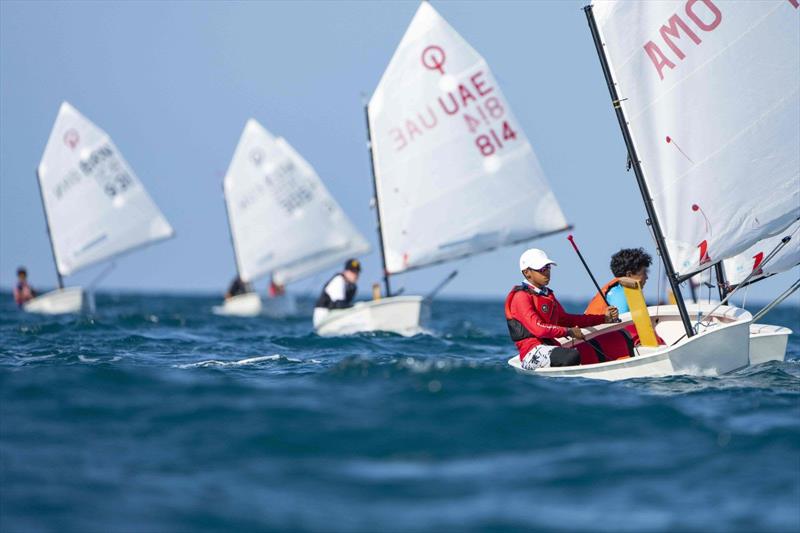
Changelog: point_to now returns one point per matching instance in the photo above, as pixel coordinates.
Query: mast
(230, 230)
(377, 203)
(652, 219)
(722, 282)
(49, 235)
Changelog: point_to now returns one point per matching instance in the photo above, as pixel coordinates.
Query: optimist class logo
(433, 58)
(71, 138)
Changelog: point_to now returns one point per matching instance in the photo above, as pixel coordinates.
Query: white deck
(244, 305)
(397, 314)
(57, 302)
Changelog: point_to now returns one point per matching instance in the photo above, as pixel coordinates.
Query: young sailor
(275, 289)
(535, 318)
(338, 292)
(236, 288)
(22, 291)
(630, 263)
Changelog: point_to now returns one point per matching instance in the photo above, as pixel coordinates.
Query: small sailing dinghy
(718, 347)
(706, 95)
(282, 220)
(95, 207)
(450, 162)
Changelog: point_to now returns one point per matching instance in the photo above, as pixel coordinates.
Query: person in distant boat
(237, 287)
(276, 289)
(339, 291)
(629, 263)
(536, 319)
(22, 291)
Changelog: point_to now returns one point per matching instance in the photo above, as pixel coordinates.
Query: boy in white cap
(535, 317)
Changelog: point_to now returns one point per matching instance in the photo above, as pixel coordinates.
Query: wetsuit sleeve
(616, 297)
(582, 321)
(522, 310)
(335, 289)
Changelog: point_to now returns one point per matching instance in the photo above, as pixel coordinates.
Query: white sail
(455, 173)
(739, 267)
(96, 206)
(283, 219)
(710, 91)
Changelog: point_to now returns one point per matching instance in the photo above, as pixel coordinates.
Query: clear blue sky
(174, 82)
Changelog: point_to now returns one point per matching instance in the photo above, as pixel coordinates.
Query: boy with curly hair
(628, 263)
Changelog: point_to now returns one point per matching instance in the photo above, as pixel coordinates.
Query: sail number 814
(488, 112)
(489, 143)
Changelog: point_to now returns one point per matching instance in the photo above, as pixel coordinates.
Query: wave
(241, 362)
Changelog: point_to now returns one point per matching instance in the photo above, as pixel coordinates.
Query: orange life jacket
(598, 306)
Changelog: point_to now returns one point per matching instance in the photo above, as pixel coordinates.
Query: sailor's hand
(612, 315)
(576, 333)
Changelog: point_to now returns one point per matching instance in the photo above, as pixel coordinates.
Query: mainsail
(739, 267)
(95, 205)
(455, 173)
(283, 220)
(710, 90)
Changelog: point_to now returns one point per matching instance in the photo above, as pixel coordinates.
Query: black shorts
(564, 357)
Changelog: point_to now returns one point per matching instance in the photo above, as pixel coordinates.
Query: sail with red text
(96, 206)
(711, 93)
(455, 174)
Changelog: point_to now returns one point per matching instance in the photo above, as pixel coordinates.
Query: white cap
(534, 258)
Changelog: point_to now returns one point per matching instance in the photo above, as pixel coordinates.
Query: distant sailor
(22, 291)
(339, 292)
(237, 287)
(535, 318)
(275, 289)
(629, 263)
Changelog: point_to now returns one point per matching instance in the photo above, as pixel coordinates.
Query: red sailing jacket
(535, 319)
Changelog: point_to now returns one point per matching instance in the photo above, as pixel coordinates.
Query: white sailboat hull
(719, 348)
(248, 304)
(768, 343)
(397, 314)
(57, 302)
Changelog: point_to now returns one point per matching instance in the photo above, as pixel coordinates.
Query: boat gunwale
(365, 305)
(740, 317)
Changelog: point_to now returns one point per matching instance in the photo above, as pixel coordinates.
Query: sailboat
(94, 205)
(282, 221)
(706, 96)
(449, 159)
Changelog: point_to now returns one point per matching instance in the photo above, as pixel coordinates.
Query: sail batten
(282, 218)
(96, 207)
(455, 174)
(711, 94)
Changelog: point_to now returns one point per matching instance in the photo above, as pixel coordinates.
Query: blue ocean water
(154, 415)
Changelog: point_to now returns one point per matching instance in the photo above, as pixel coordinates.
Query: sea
(154, 415)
